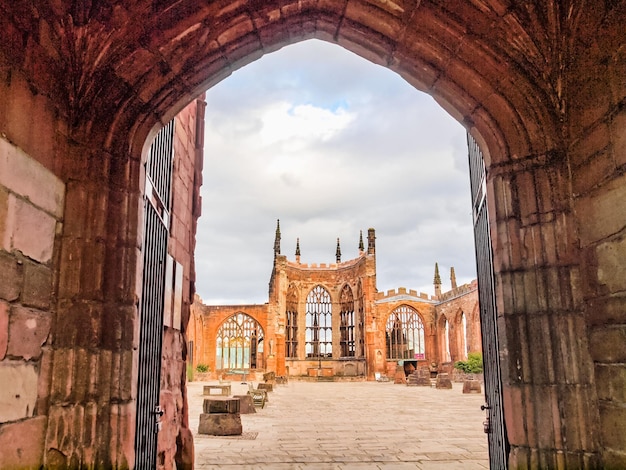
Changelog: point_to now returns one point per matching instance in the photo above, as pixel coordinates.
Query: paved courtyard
(349, 425)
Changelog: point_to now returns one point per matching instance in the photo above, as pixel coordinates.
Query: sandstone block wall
(31, 213)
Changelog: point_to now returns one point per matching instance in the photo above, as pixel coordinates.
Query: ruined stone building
(85, 236)
(330, 319)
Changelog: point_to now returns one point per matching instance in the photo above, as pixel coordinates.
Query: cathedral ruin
(330, 320)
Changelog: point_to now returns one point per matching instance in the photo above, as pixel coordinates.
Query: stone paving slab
(349, 425)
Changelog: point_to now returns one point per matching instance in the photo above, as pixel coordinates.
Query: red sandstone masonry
(550, 91)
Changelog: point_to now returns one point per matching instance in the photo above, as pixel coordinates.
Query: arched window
(346, 322)
(239, 343)
(405, 333)
(291, 331)
(319, 331)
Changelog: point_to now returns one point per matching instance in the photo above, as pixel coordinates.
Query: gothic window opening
(239, 343)
(346, 318)
(404, 334)
(291, 330)
(318, 332)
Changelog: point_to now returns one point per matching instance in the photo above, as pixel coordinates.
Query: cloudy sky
(330, 144)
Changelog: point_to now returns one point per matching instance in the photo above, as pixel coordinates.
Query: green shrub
(473, 365)
(202, 368)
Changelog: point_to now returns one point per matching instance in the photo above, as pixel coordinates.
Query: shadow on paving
(344, 425)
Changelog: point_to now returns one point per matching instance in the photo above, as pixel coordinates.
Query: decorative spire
(277, 239)
(437, 281)
(298, 250)
(437, 278)
(452, 278)
(361, 246)
(338, 252)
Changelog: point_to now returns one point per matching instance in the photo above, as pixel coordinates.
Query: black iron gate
(494, 422)
(156, 235)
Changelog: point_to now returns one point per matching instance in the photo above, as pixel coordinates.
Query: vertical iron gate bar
(156, 236)
(494, 424)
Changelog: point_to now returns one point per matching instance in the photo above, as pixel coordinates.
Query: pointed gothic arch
(239, 343)
(319, 330)
(404, 333)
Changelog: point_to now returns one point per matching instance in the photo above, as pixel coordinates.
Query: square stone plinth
(221, 405)
(220, 424)
(246, 404)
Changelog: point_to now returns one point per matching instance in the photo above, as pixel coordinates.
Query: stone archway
(539, 86)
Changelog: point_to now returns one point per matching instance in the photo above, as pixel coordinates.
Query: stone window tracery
(318, 332)
(346, 320)
(404, 333)
(239, 343)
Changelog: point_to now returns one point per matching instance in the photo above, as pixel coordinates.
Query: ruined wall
(462, 300)
(297, 280)
(387, 303)
(206, 321)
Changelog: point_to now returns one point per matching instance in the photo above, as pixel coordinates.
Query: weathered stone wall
(31, 213)
(206, 320)
(426, 311)
(460, 301)
(296, 280)
(597, 155)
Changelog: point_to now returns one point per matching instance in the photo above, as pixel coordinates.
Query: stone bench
(223, 389)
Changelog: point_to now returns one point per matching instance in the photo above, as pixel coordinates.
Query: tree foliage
(473, 365)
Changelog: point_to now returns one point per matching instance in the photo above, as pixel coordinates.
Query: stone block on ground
(246, 404)
(221, 405)
(417, 380)
(268, 387)
(220, 424)
(443, 381)
(471, 386)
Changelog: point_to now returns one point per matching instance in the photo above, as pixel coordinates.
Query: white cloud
(298, 126)
(331, 145)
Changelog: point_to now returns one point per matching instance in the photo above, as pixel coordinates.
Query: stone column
(95, 335)
(549, 394)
